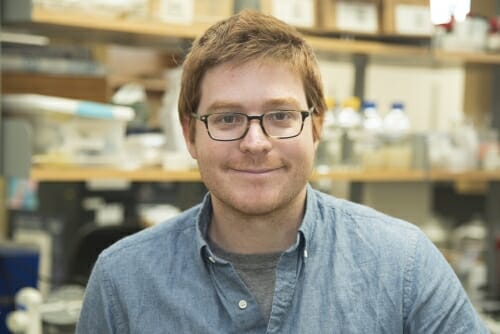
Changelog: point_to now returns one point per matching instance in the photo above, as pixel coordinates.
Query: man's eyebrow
(217, 105)
(281, 102)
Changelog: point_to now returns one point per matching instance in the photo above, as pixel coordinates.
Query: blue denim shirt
(351, 270)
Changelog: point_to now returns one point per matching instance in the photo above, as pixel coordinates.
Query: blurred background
(91, 148)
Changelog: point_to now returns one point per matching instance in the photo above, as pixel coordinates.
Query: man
(264, 252)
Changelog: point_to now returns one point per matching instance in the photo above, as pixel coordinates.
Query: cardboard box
(299, 13)
(198, 13)
(358, 16)
(407, 17)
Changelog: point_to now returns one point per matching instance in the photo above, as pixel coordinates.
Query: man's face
(257, 174)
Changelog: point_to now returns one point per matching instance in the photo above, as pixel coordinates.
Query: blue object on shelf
(18, 269)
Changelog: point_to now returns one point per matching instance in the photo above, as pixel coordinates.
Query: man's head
(250, 36)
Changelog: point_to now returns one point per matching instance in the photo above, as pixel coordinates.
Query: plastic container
(396, 122)
(67, 131)
(372, 121)
(349, 116)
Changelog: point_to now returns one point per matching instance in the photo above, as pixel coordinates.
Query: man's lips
(256, 171)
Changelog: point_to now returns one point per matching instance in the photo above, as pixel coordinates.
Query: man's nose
(255, 139)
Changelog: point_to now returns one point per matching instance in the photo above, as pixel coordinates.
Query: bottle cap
(369, 104)
(351, 102)
(330, 102)
(397, 105)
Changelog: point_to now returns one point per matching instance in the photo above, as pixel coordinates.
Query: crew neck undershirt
(257, 271)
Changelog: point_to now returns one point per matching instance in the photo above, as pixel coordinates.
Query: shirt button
(242, 304)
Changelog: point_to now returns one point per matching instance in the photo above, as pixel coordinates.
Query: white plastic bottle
(349, 116)
(396, 122)
(372, 121)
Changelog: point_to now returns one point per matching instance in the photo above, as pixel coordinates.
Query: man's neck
(246, 234)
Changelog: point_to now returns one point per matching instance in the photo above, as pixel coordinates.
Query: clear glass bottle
(328, 152)
(397, 143)
(369, 143)
(349, 121)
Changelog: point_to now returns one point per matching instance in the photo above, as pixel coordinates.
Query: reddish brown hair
(249, 36)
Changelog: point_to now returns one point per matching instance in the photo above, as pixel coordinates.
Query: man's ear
(319, 131)
(186, 131)
(316, 143)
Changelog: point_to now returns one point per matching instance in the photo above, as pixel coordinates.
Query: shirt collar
(202, 220)
(304, 236)
(309, 221)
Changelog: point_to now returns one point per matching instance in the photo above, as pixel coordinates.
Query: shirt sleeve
(99, 310)
(434, 299)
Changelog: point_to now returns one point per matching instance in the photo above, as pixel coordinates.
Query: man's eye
(226, 119)
(281, 115)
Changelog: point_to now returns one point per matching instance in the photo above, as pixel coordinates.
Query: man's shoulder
(367, 236)
(354, 210)
(351, 217)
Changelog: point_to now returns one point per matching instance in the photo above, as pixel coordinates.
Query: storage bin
(67, 131)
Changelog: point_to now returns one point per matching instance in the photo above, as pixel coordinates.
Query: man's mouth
(257, 171)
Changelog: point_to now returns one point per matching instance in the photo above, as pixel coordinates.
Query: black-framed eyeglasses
(279, 124)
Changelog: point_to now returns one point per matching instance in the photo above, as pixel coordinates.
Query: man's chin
(253, 203)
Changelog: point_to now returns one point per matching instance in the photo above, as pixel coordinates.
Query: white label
(177, 11)
(413, 20)
(298, 13)
(360, 17)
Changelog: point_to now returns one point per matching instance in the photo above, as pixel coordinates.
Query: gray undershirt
(257, 271)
